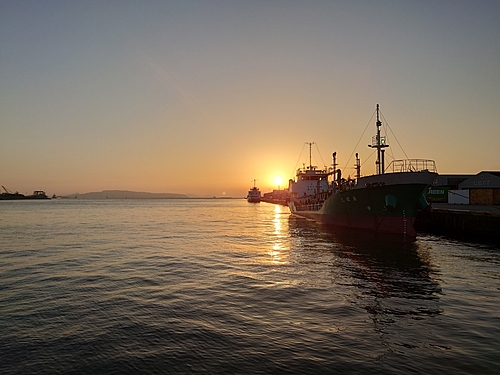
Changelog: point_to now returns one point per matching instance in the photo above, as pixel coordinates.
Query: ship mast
(310, 154)
(357, 166)
(334, 155)
(379, 143)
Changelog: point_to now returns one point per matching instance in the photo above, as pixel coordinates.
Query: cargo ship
(385, 202)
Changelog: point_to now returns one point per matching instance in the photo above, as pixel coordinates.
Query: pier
(277, 197)
(467, 219)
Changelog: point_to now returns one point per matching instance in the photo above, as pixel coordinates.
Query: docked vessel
(254, 194)
(386, 202)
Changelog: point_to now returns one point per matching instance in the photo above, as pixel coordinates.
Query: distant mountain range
(125, 194)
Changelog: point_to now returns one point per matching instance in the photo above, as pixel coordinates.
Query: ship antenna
(379, 143)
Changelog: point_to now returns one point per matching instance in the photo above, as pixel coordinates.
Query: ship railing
(412, 165)
(309, 207)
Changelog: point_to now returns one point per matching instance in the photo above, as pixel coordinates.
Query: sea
(223, 286)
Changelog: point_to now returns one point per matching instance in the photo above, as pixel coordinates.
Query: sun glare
(278, 180)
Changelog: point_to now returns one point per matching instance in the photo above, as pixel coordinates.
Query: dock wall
(460, 221)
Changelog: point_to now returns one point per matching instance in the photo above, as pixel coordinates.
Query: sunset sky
(202, 97)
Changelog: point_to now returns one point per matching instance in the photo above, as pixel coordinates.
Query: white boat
(254, 194)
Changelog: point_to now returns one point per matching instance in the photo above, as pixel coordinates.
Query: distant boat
(38, 194)
(8, 195)
(254, 194)
(386, 202)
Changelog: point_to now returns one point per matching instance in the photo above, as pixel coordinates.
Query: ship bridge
(309, 181)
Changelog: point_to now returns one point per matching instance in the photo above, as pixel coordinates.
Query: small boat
(254, 194)
(385, 202)
(38, 194)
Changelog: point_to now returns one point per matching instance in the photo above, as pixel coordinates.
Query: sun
(278, 180)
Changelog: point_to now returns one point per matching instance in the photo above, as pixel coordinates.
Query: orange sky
(203, 97)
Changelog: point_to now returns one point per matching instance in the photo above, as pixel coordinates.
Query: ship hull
(11, 196)
(254, 195)
(387, 209)
(17, 196)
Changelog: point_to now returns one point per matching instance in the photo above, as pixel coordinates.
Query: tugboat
(386, 202)
(254, 194)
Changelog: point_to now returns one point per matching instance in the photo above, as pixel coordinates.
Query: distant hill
(125, 194)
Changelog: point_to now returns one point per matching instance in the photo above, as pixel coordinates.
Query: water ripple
(223, 286)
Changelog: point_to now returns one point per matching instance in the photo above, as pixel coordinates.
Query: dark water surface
(224, 286)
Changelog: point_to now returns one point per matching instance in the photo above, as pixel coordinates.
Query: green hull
(384, 209)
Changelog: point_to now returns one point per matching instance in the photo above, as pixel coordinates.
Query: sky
(202, 97)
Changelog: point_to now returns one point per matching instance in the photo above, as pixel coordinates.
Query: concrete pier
(460, 219)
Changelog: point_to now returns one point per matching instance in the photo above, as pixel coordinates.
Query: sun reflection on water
(278, 240)
(277, 220)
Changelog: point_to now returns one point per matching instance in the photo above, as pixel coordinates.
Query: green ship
(386, 202)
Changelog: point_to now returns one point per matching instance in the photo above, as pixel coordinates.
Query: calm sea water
(224, 286)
